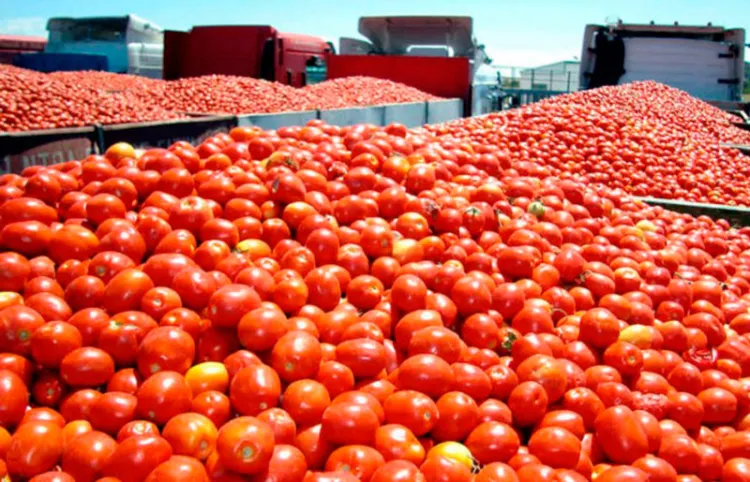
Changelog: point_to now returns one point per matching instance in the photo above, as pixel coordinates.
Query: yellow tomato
(255, 248)
(191, 434)
(639, 335)
(10, 298)
(120, 150)
(207, 376)
(646, 225)
(407, 250)
(453, 450)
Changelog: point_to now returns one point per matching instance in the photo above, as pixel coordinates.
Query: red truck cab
(249, 51)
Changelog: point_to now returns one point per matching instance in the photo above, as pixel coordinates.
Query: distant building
(559, 77)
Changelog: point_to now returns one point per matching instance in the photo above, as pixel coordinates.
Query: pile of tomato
(363, 91)
(327, 304)
(645, 138)
(33, 100)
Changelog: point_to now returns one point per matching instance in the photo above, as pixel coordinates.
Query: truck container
(131, 44)
(256, 51)
(438, 55)
(707, 62)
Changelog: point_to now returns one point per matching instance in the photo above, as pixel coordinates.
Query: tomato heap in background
(32, 100)
(645, 138)
(375, 304)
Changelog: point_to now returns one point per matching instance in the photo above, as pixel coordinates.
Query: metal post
(551, 81)
(568, 89)
(532, 79)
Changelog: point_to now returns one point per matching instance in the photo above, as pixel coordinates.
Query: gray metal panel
(439, 111)
(165, 133)
(738, 216)
(275, 121)
(19, 150)
(410, 115)
(356, 115)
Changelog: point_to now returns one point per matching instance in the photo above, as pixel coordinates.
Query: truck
(436, 54)
(13, 45)
(258, 51)
(708, 61)
(123, 44)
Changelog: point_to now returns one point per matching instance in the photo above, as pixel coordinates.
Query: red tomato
(245, 445)
(135, 457)
(85, 456)
(35, 447)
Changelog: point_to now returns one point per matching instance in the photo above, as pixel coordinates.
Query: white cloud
(33, 26)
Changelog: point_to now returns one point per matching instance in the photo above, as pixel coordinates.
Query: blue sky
(516, 33)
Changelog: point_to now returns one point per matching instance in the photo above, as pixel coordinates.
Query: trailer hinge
(729, 55)
(729, 81)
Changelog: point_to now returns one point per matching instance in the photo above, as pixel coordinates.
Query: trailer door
(703, 68)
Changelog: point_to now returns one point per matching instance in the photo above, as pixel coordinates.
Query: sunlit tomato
(87, 367)
(191, 434)
(162, 396)
(135, 457)
(344, 423)
(177, 468)
(245, 445)
(296, 355)
(85, 456)
(228, 305)
(35, 447)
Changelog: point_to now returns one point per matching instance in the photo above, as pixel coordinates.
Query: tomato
(412, 409)
(165, 348)
(228, 304)
(556, 447)
(528, 401)
(14, 397)
(162, 396)
(296, 355)
(85, 456)
(624, 473)
(125, 290)
(496, 472)
(35, 447)
(397, 471)
(349, 423)
(458, 416)
(110, 412)
(492, 442)
(361, 461)
(178, 468)
(254, 389)
(737, 469)
(445, 469)
(135, 457)
(428, 373)
(621, 435)
(87, 367)
(408, 293)
(191, 434)
(245, 445)
(365, 357)
(305, 401)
